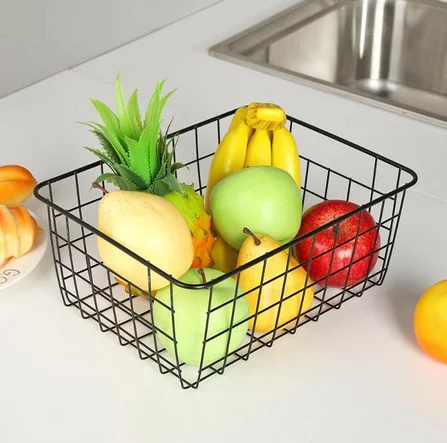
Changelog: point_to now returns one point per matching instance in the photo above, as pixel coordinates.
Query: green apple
(265, 199)
(191, 306)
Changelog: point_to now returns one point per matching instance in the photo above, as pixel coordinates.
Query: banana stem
(255, 239)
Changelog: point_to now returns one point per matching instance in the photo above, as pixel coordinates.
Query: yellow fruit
(224, 256)
(239, 116)
(259, 150)
(134, 290)
(265, 116)
(254, 246)
(3, 249)
(229, 156)
(18, 231)
(285, 154)
(16, 185)
(10, 232)
(151, 227)
(430, 321)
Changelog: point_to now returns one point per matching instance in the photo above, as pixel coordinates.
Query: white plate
(18, 268)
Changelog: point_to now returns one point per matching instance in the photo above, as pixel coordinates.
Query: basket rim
(177, 281)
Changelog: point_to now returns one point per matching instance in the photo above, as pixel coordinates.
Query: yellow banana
(239, 116)
(229, 156)
(285, 154)
(259, 150)
(265, 116)
(224, 256)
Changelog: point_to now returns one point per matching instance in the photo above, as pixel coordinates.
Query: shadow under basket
(331, 168)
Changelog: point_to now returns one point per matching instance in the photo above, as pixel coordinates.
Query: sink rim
(310, 10)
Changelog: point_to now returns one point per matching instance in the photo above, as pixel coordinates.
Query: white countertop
(355, 376)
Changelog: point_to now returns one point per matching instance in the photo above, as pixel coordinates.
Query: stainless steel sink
(388, 53)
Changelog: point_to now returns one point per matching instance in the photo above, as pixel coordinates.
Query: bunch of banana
(256, 136)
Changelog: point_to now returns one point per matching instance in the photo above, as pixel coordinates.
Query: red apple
(343, 242)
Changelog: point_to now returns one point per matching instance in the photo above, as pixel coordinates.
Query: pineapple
(140, 157)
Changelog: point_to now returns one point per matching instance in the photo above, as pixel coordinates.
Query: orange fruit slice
(430, 321)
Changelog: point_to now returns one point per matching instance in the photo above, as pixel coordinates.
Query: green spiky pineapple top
(136, 150)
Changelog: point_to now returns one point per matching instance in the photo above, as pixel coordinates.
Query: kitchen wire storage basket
(332, 168)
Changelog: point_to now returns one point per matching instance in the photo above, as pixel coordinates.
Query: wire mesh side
(277, 298)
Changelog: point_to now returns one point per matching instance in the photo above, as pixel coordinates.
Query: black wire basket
(332, 168)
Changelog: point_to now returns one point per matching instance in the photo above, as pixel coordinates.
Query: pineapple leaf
(149, 137)
(114, 179)
(123, 116)
(108, 177)
(162, 147)
(140, 155)
(166, 97)
(176, 166)
(161, 172)
(124, 184)
(164, 157)
(133, 177)
(133, 110)
(108, 116)
(167, 184)
(153, 123)
(160, 188)
(164, 142)
(170, 154)
(104, 157)
(153, 103)
(106, 145)
(151, 155)
(115, 143)
(139, 160)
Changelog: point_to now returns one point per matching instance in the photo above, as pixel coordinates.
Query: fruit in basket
(151, 227)
(18, 231)
(282, 150)
(354, 244)
(430, 321)
(224, 256)
(259, 150)
(265, 116)
(141, 159)
(199, 223)
(296, 284)
(238, 117)
(265, 199)
(16, 185)
(285, 154)
(134, 290)
(190, 317)
(230, 154)
(239, 150)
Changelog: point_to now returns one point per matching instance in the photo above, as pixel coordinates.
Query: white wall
(41, 37)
